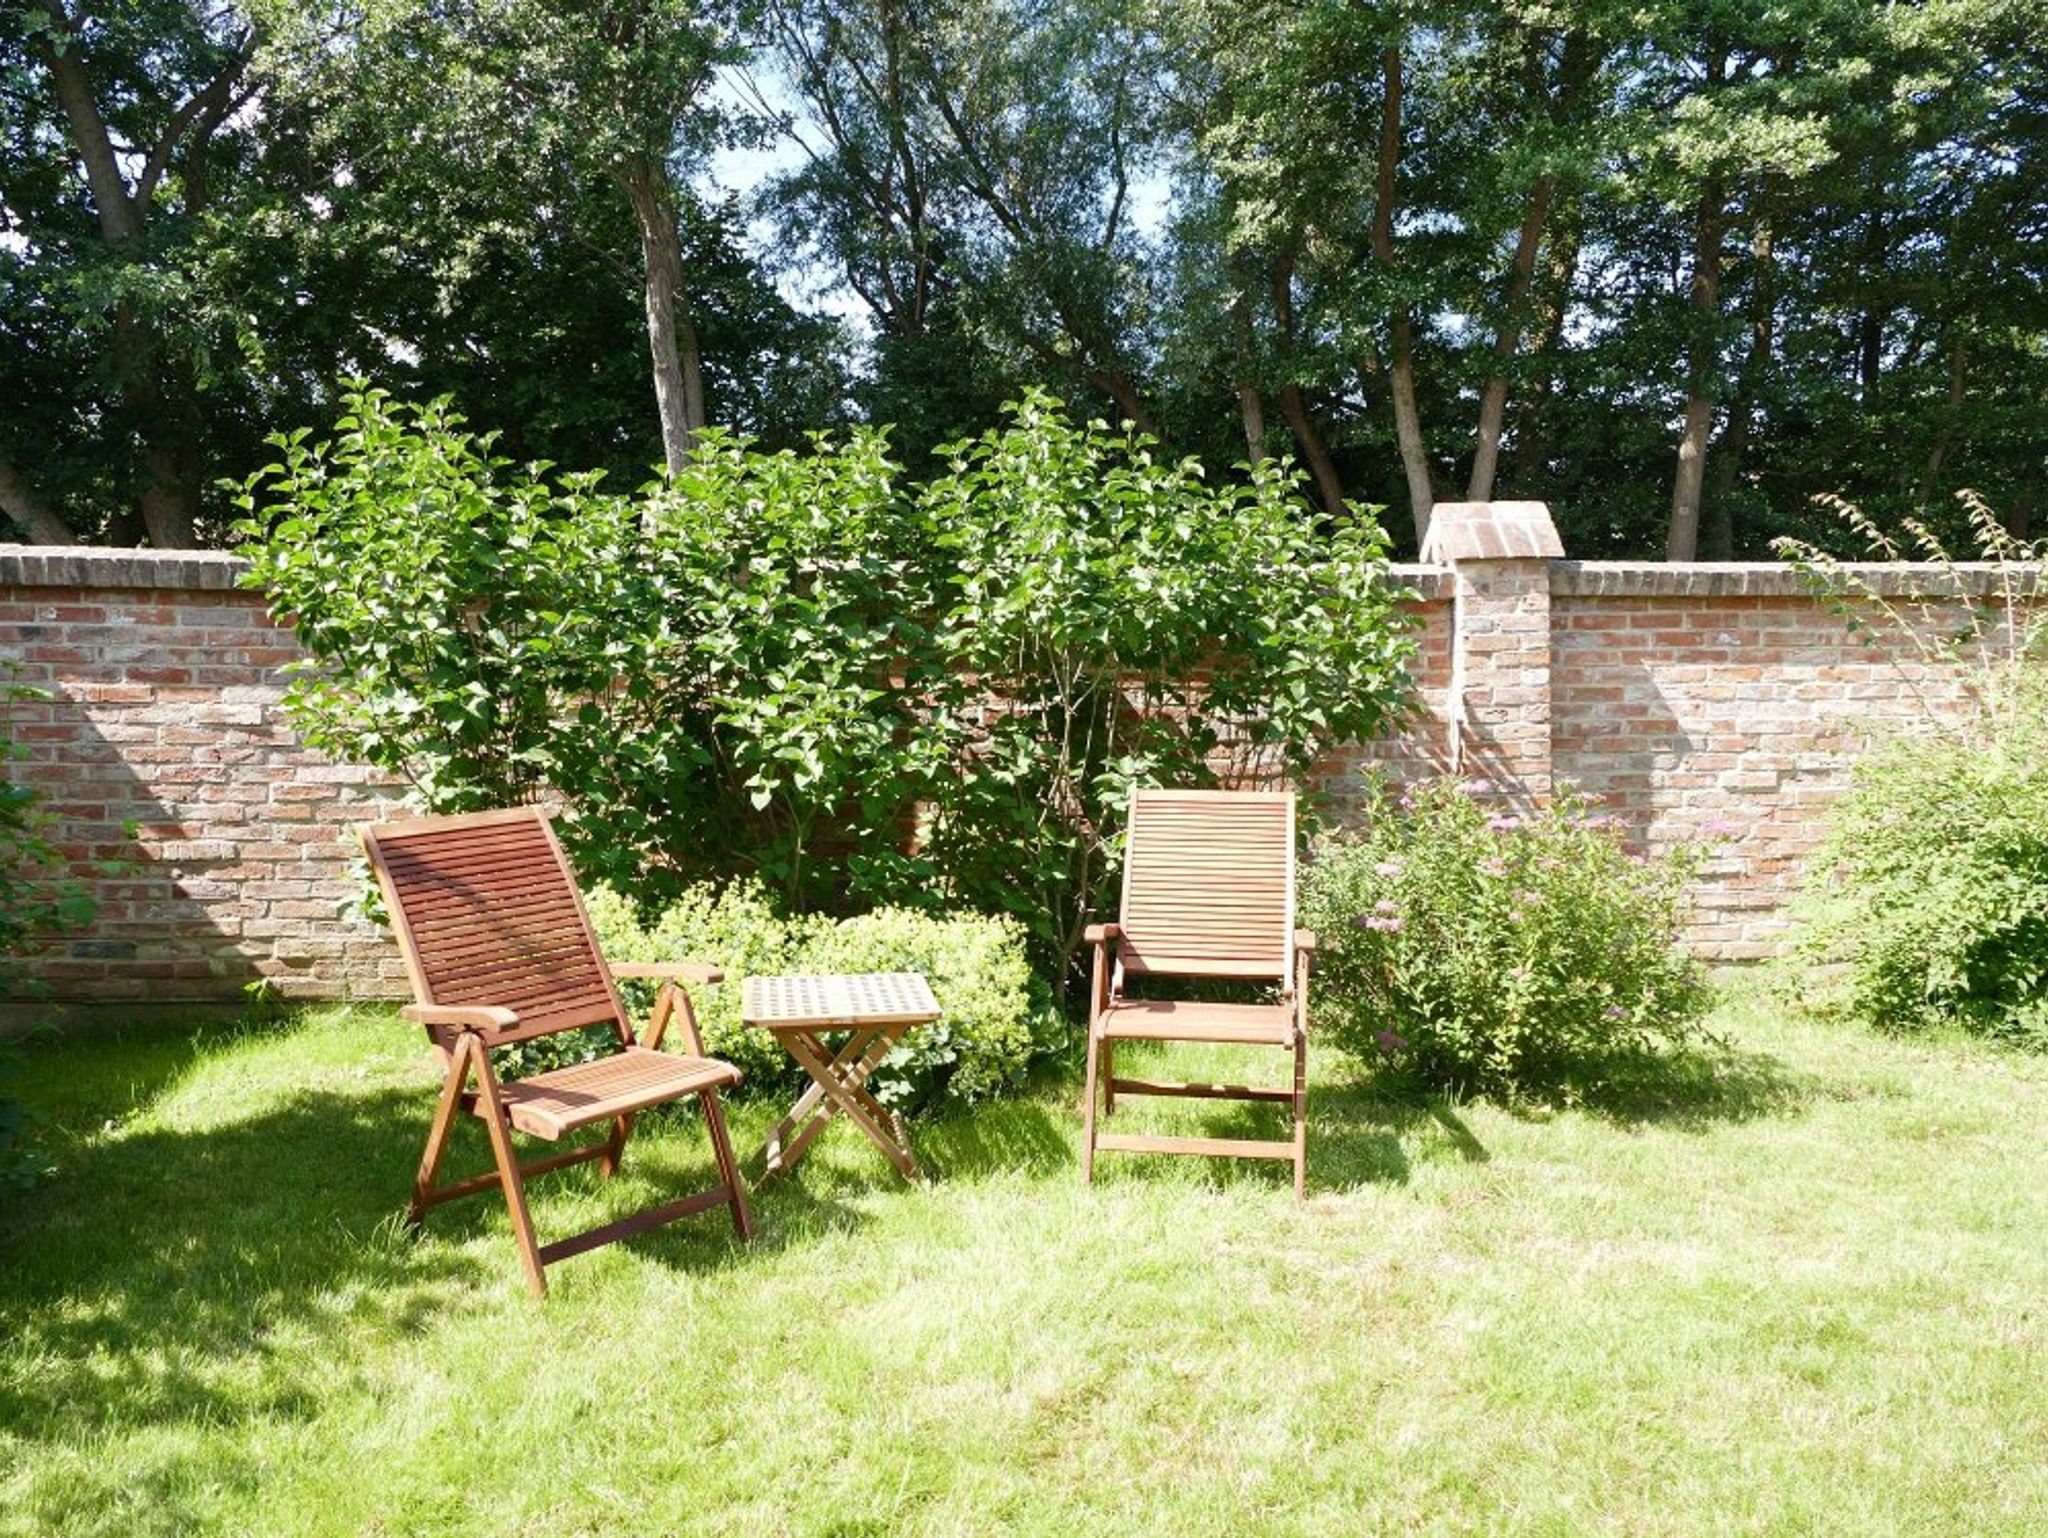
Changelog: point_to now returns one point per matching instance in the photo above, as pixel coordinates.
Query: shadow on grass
(161, 1276)
(1691, 1089)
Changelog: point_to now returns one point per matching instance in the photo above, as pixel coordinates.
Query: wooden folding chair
(1208, 892)
(500, 950)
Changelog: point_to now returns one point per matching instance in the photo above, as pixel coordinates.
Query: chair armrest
(1305, 940)
(471, 1017)
(669, 971)
(1100, 934)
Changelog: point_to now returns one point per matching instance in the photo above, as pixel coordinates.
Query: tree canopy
(1674, 267)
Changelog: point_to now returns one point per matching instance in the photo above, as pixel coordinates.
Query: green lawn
(1808, 1293)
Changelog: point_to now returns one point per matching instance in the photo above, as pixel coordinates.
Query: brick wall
(1700, 701)
(162, 751)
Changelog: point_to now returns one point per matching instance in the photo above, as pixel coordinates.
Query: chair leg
(1088, 1115)
(728, 1165)
(1108, 1078)
(437, 1135)
(513, 1182)
(615, 1146)
(1300, 1117)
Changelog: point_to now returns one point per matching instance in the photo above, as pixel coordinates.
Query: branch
(119, 218)
(37, 521)
(209, 107)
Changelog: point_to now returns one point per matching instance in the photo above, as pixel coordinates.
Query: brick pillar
(1499, 554)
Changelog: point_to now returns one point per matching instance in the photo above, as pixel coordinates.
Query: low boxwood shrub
(1490, 951)
(998, 1018)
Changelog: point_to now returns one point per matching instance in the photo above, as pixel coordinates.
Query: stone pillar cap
(1490, 531)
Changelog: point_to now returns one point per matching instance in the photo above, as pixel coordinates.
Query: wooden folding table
(875, 1009)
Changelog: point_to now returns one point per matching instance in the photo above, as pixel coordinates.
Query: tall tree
(136, 99)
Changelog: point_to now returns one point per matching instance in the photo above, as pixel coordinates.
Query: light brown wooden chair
(1208, 892)
(500, 950)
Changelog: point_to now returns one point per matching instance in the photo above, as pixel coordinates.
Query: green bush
(1930, 906)
(35, 905)
(1493, 952)
(997, 1019)
(1937, 868)
(793, 667)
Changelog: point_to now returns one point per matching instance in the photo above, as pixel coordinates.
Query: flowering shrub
(1494, 951)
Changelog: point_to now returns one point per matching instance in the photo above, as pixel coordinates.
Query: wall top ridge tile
(1776, 579)
(99, 566)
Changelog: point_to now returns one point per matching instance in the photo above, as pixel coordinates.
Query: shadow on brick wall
(217, 849)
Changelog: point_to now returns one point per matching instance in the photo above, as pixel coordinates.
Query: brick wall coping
(99, 566)
(86, 566)
(1429, 582)
(96, 566)
(1774, 579)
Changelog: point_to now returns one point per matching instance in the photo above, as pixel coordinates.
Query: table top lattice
(863, 998)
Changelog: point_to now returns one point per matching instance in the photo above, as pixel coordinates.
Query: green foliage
(1117, 620)
(1932, 890)
(34, 903)
(34, 906)
(785, 666)
(997, 1019)
(1494, 952)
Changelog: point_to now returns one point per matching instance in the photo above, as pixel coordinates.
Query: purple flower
(1505, 822)
(1494, 865)
(1386, 905)
(1615, 1012)
(1714, 827)
(1477, 787)
(1389, 868)
(1530, 897)
(1391, 1041)
(1384, 923)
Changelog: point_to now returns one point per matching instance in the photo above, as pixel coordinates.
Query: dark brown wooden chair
(500, 950)
(1208, 892)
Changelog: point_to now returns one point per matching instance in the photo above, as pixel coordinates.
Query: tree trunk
(1719, 534)
(39, 524)
(678, 385)
(1682, 539)
(1249, 406)
(1329, 485)
(1294, 404)
(1401, 335)
(1952, 413)
(157, 405)
(2021, 518)
(1553, 290)
(1493, 398)
(1870, 327)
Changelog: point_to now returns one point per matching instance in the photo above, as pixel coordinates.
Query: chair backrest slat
(487, 912)
(1209, 884)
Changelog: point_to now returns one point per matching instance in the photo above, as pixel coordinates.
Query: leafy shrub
(997, 1020)
(35, 905)
(791, 667)
(1931, 903)
(1491, 951)
(1938, 864)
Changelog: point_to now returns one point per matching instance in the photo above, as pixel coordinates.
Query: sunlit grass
(1800, 1292)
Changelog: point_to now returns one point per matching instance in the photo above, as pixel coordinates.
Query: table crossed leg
(839, 1086)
